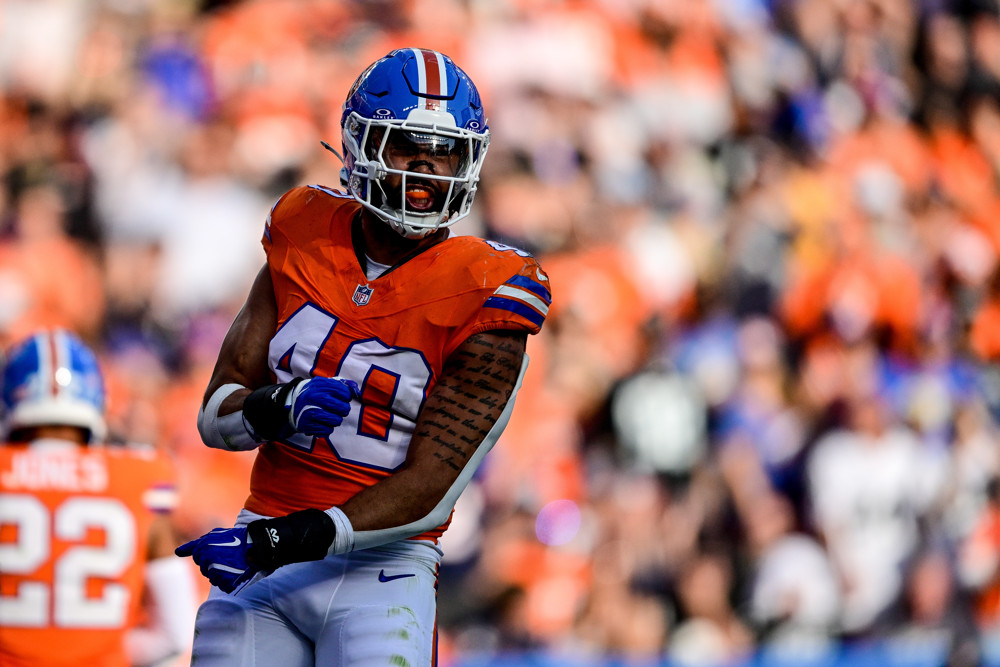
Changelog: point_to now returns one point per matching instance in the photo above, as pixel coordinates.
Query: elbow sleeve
(171, 589)
(226, 432)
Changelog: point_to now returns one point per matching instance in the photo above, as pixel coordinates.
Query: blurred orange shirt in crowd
(981, 553)
(984, 336)
(48, 283)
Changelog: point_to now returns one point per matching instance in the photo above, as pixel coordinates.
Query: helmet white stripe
(60, 359)
(443, 85)
(421, 77)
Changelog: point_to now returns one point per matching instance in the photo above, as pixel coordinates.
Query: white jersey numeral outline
(394, 383)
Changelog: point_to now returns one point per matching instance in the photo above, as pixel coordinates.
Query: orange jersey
(74, 526)
(391, 335)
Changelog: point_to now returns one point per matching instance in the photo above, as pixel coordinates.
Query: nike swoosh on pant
(384, 578)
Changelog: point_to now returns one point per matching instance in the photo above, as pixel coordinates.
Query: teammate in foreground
(82, 526)
(374, 363)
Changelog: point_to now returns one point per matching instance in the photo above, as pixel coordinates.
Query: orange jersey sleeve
(74, 526)
(391, 335)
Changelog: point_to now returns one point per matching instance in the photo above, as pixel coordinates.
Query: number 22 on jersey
(62, 600)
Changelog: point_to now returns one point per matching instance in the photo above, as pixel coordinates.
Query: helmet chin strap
(344, 175)
(332, 150)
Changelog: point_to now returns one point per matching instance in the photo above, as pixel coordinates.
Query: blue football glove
(313, 406)
(319, 405)
(228, 557)
(222, 557)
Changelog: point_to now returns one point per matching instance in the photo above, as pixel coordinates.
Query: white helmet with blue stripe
(53, 378)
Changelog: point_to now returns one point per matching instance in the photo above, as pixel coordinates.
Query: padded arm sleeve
(348, 540)
(227, 432)
(172, 592)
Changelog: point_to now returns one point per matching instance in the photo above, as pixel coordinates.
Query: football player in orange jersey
(374, 364)
(85, 535)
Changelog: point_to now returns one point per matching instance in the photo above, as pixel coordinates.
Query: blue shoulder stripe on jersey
(267, 221)
(532, 286)
(515, 307)
(331, 191)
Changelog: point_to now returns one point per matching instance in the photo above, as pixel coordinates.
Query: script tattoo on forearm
(475, 386)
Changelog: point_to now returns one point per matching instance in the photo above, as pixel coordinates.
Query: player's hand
(313, 406)
(318, 405)
(301, 536)
(228, 557)
(222, 557)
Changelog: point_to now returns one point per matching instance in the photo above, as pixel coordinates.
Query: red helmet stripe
(49, 366)
(433, 79)
(432, 74)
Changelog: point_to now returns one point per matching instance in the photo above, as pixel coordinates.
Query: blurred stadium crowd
(762, 416)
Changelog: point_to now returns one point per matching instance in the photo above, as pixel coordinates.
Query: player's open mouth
(419, 197)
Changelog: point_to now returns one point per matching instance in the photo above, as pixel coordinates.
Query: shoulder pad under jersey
(515, 290)
(298, 200)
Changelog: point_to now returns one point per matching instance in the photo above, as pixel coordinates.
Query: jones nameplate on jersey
(64, 472)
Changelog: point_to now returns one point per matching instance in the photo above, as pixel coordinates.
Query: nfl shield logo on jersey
(362, 295)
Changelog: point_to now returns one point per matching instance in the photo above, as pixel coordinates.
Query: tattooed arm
(461, 420)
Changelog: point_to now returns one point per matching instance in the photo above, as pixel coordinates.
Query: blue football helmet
(53, 378)
(414, 101)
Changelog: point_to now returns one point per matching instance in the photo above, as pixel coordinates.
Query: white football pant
(365, 608)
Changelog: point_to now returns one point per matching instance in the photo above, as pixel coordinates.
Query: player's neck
(382, 244)
(62, 432)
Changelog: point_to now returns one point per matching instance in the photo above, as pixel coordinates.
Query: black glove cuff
(264, 410)
(301, 536)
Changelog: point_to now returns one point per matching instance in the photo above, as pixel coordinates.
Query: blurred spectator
(34, 264)
(975, 463)
(709, 632)
(933, 619)
(760, 430)
(794, 593)
(872, 485)
(979, 562)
